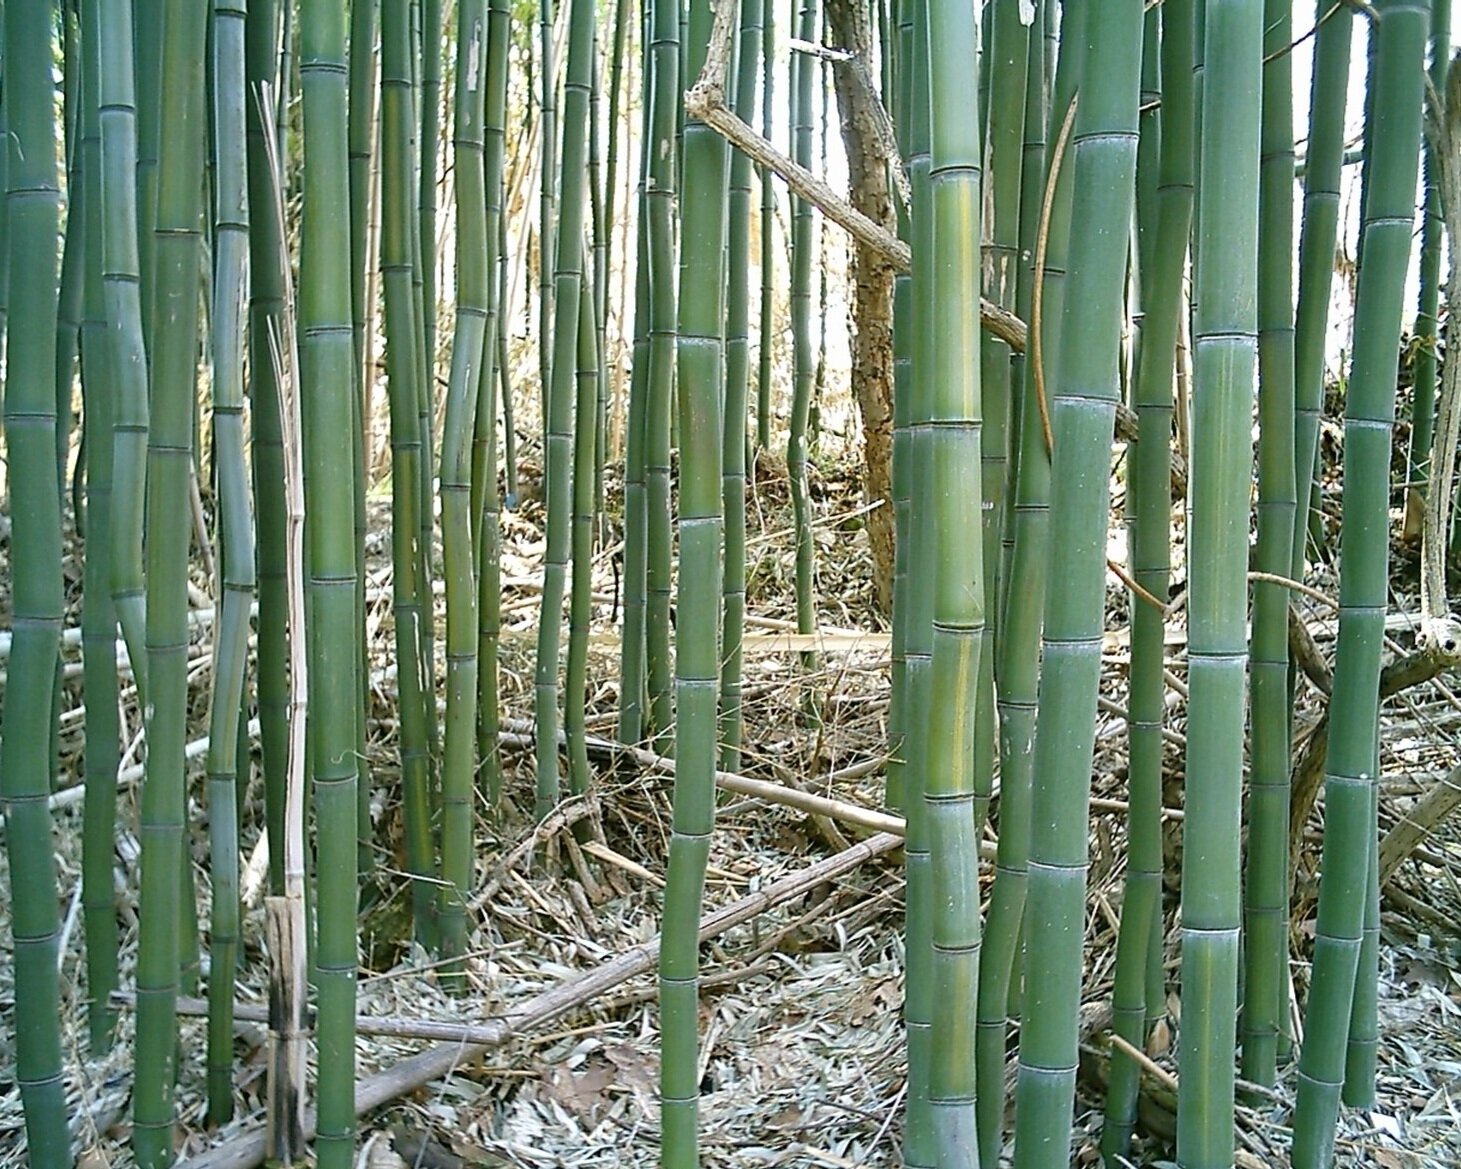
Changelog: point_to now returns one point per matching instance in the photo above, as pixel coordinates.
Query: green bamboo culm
(737, 378)
(429, 103)
(662, 144)
(1027, 521)
(558, 460)
(177, 249)
(266, 301)
(1086, 386)
(487, 499)
(236, 529)
(125, 319)
(919, 1149)
(1423, 402)
(954, 480)
(98, 615)
(1225, 345)
(578, 104)
(700, 384)
(586, 433)
(1350, 781)
(804, 73)
(632, 662)
(1318, 238)
(458, 764)
(547, 199)
(73, 255)
(1265, 953)
(766, 332)
(1005, 76)
(33, 200)
(407, 450)
(1149, 511)
(902, 472)
(326, 363)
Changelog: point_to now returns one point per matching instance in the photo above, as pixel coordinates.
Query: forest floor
(802, 1052)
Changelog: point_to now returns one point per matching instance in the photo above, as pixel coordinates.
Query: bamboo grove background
(266, 262)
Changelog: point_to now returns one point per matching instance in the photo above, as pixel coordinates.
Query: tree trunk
(867, 150)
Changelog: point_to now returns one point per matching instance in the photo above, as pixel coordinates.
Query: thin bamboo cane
(919, 1139)
(700, 384)
(1149, 512)
(737, 376)
(1082, 416)
(1044, 231)
(176, 250)
(407, 440)
(1328, 94)
(327, 390)
(585, 446)
(662, 143)
(473, 275)
(1225, 327)
(1423, 401)
(803, 251)
(231, 635)
(1266, 895)
(766, 333)
(487, 497)
(266, 299)
(558, 484)
(961, 577)
(99, 616)
(36, 601)
(1349, 784)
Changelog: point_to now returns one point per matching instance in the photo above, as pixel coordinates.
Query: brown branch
(705, 101)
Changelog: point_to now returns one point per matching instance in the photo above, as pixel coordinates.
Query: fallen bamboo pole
(247, 1149)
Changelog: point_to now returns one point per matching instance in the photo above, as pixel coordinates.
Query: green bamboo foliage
(462, 399)
(737, 378)
(954, 499)
(33, 199)
(407, 441)
(804, 74)
(1350, 780)
(1423, 403)
(1266, 895)
(662, 146)
(177, 249)
(700, 384)
(98, 616)
(558, 485)
(266, 300)
(236, 528)
(487, 501)
(1318, 237)
(1103, 165)
(1224, 358)
(1149, 512)
(326, 357)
